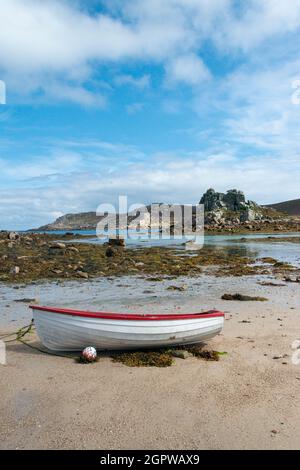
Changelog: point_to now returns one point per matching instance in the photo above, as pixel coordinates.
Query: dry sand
(247, 400)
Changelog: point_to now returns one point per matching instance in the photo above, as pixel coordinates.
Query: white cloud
(62, 41)
(188, 69)
(256, 108)
(261, 19)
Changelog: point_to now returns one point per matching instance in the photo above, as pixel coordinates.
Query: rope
(21, 333)
(45, 352)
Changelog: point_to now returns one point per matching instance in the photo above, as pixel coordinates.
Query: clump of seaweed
(144, 359)
(283, 265)
(268, 260)
(199, 352)
(163, 357)
(243, 298)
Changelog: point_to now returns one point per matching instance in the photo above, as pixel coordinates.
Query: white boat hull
(60, 332)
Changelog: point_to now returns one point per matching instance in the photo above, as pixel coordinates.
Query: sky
(157, 100)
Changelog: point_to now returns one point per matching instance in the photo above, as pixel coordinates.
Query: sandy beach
(247, 400)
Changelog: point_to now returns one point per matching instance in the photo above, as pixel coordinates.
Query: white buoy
(89, 354)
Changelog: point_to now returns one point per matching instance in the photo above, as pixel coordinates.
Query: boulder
(249, 215)
(13, 236)
(110, 252)
(234, 200)
(73, 249)
(212, 200)
(57, 248)
(116, 241)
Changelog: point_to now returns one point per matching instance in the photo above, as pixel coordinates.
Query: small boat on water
(73, 330)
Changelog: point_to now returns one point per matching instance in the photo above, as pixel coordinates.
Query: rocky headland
(224, 212)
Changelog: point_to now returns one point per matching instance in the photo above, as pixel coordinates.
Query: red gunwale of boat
(129, 316)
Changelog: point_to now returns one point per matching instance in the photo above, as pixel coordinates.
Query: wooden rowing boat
(73, 330)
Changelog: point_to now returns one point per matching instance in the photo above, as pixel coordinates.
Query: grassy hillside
(289, 207)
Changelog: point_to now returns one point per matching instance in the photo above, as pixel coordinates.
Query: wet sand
(247, 400)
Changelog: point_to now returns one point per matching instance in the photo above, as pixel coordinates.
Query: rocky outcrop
(233, 200)
(229, 208)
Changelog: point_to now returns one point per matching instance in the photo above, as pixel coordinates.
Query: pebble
(83, 274)
(182, 354)
(15, 270)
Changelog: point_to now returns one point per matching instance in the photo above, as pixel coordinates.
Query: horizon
(156, 101)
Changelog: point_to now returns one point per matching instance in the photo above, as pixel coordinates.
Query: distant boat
(73, 330)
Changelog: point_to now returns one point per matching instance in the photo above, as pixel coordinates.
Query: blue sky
(155, 100)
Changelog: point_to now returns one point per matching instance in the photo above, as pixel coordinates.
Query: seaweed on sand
(243, 298)
(208, 355)
(163, 357)
(144, 359)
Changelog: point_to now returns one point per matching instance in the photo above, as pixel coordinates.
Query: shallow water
(283, 251)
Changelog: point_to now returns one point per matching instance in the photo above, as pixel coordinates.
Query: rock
(233, 200)
(110, 252)
(212, 200)
(58, 246)
(73, 249)
(179, 288)
(83, 275)
(139, 265)
(15, 270)
(57, 271)
(292, 279)
(116, 241)
(248, 215)
(181, 353)
(13, 236)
